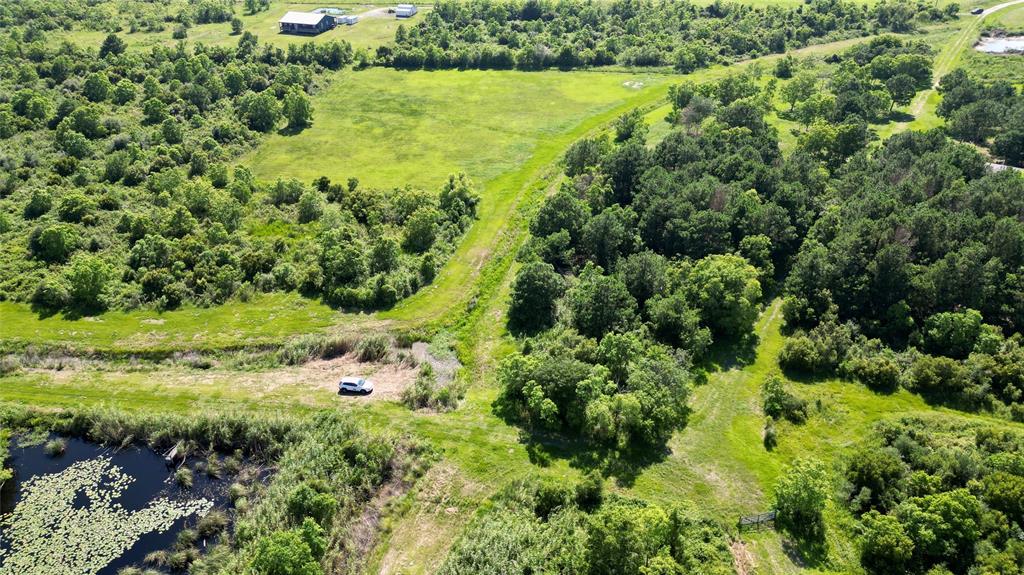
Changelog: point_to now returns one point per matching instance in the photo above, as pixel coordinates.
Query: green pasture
(1011, 19)
(390, 128)
(264, 319)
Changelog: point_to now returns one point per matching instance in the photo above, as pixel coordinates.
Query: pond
(1001, 45)
(94, 510)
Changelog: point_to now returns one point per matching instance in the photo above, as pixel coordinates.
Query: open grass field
(265, 319)
(390, 128)
(1011, 19)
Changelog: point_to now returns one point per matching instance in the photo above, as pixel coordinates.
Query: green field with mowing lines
(391, 128)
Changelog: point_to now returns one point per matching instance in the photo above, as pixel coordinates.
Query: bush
(183, 477)
(307, 500)
(800, 495)
(780, 403)
(373, 347)
(879, 372)
(55, 447)
(770, 438)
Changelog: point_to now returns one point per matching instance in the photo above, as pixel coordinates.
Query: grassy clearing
(390, 128)
(1010, 18)
(264, 319)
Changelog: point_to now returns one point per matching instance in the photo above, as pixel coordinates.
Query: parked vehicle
(977, 11)
(355, 385)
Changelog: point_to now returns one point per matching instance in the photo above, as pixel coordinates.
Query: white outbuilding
(405, 10)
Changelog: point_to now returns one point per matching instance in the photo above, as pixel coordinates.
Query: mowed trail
(948, 58)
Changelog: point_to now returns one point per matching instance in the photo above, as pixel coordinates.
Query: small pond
(94, 510)
(1001, 45)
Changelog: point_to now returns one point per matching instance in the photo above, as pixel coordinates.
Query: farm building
(305, 23)
(405, 10)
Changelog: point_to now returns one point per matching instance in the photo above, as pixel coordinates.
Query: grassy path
(719, 458)
(946, 61)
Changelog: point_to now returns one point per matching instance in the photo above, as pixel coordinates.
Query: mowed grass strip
(264, 319)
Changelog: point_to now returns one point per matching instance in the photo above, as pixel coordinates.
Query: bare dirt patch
(421, 537)
(742, 559)
(313, 381)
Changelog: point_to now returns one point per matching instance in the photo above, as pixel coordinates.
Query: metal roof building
(305, 23)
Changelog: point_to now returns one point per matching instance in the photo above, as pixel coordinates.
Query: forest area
(723, 275)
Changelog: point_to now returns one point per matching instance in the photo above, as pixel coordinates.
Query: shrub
(778, 402)
(307, 501)
(183, 477)
(55, 447)
(879, 372)
(800, 495)
(9, 364)
(373, 347)
(770, 438)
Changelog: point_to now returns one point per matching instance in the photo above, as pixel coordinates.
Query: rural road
(948, 58)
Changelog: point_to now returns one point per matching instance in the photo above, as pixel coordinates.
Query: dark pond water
(152, 480)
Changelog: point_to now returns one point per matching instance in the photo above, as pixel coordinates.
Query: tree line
(539, 34)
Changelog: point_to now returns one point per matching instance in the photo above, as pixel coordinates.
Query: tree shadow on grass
(806, 553)
(292, 130)
(72, 313)
(898, 116)
(543, 448)
(726, 355)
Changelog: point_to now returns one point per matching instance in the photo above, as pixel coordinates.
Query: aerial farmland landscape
(498, 287)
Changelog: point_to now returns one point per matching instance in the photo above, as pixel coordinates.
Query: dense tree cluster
(645, 257)
(544, 527)
(124, 16)
(863, 85)
(539, 34)
(990, 115)
(116, 192)
(933, 494)
(921, 254)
